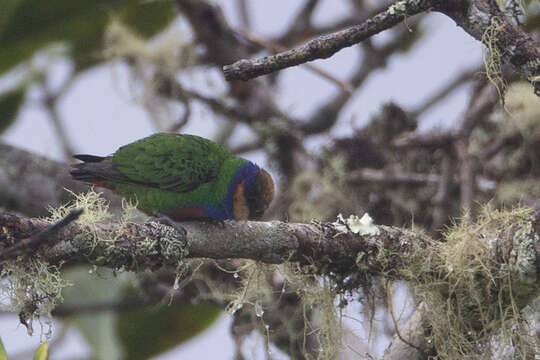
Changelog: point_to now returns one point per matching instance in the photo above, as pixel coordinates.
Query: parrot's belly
(189, 213)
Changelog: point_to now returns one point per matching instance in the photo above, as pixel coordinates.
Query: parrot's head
(253, 194)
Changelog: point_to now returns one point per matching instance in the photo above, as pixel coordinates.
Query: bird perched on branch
(181, 176)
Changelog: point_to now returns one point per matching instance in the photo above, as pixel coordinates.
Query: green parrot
(181, 176)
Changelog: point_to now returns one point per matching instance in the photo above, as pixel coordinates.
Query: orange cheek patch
(240, 207)
(268, 186)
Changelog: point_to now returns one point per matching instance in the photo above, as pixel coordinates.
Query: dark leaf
(82, 23)
(149, 18)
(146, 332)
(10, 103)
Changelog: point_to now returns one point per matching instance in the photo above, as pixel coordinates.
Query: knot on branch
(172, 243)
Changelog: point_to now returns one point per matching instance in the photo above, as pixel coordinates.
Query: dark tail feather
(89, 158)
(93, 170)
(79, 172)
(85, 172)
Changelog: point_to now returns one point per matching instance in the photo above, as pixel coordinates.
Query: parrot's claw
(218, 222)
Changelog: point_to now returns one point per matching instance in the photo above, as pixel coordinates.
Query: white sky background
(101, 115)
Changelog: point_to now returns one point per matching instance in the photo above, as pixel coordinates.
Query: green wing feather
(174, 162)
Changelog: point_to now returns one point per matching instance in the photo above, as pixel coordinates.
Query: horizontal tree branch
(331, 247)
(147, 245)
(37, 239)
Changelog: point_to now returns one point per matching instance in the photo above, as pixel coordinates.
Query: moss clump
(31, 285)
(288, 304)
(33, 288)
(476, 283)
(513, 192)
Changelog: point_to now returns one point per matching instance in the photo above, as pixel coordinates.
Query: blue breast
(248, 171)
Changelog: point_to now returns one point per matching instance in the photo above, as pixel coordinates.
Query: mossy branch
(151, 244)
(329, 247)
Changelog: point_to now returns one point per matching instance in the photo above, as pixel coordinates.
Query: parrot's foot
(217, 222)
(165, 220)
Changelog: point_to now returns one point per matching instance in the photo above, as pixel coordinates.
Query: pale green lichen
(397, 8)
(363, 226)
(32, 288)
(531, 70)
(31, 285)
(476, 283)
(95, 211)
(523, 269)
(522, 110)
(171, 247)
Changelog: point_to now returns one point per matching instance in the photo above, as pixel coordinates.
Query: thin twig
(396, 325)
(440, 211)
(243, 12)
(275, 47)
(50, 104)
(225, 133)
(511, 141)
(184, 119)
(391, 176)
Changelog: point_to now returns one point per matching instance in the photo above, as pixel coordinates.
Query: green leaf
(3, 354)
(42, 352)
(8, 6)
(146, 332)
(149, 18)
(10, 103)
(532, 22)
(34, 24)
(96, 328)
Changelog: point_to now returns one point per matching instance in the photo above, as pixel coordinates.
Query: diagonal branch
(327, 45)
(482, 19)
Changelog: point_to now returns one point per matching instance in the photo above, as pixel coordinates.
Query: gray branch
(328, 246)
(147, 245)
(413, 333)
(30, 183)
(477, 17)
(325, 46)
